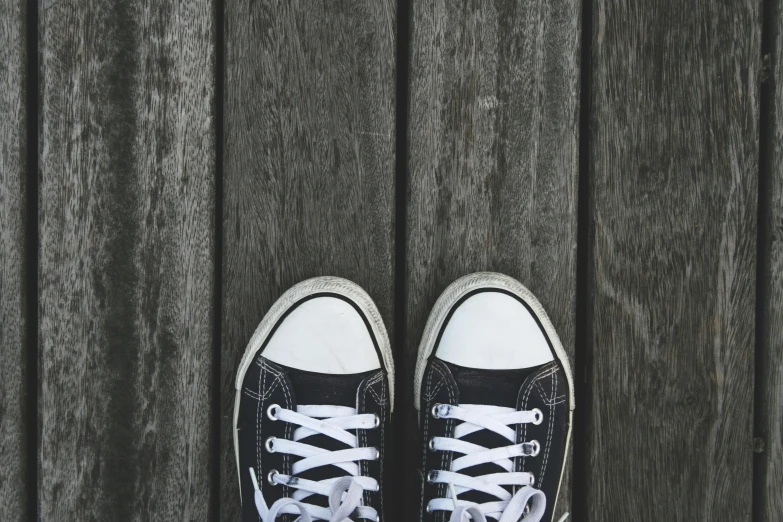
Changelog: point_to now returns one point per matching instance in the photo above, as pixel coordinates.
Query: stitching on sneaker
(424, 445)
(383, 442)
(551, 427)
(289, 405)
(430, 394)
(361, 435)
(250, 393)
(544, 373)
(375, 395)
(447, 457)
(260, 419)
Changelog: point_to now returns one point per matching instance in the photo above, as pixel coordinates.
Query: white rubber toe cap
(494, 331)
(324, 335)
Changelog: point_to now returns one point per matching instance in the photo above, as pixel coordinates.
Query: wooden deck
(167, 169)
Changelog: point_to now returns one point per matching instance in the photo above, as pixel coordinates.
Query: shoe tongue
(491, 388)
(313, 389)
(325, 388)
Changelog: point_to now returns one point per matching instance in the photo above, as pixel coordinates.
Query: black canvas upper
(543, 387)
(267, 383)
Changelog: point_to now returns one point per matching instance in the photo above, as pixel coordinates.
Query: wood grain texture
(13, 428)
(673, 171)
(771, 336)
(494, 94)
(309, 165)
(126, 273)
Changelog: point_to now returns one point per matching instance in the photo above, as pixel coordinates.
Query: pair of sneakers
(315, 394)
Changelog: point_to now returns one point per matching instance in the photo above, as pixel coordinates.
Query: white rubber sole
(456, 291)
(316, 285)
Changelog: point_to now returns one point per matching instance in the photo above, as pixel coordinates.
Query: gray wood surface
(126, 222)
(771, 337)
(674, 167)
(309, 166)
(13, 428)
(493, 128)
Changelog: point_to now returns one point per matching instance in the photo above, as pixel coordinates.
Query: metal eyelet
(377, 454)
(539, 416)
(429, 509)
(270, 409)
(271, 477)
(377, 421)
(431, 476)
(536, 448)
(432, 444)
(269, 444)
(532, 479)
(435, 411)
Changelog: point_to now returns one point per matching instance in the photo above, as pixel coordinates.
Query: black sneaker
(494, 394)
(313, 404)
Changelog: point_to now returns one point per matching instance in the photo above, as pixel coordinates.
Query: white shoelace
(344, 493)
(527, 501)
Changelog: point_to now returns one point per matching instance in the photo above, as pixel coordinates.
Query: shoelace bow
(527, 502)
(344, 493)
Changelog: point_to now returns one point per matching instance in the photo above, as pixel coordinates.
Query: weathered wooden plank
(309, 165)
(771, 336)
(492, 159)
(673, 170)
(126, 259)
(13, 428)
